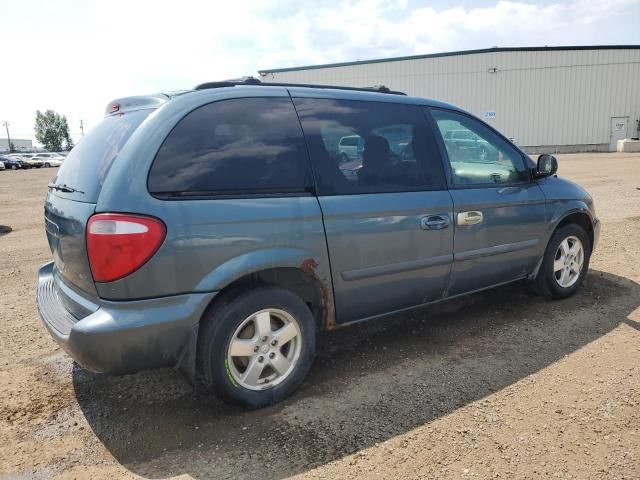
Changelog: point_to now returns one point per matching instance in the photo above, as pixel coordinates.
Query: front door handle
(434, 222)
(470, 218)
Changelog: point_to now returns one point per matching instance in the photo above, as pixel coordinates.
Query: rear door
(388, 218)
(499, 212)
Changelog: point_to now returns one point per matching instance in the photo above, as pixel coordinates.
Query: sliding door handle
(470, 218)
(434, 222)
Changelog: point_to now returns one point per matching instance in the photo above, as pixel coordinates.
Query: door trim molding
(369, 272)
(495, 250)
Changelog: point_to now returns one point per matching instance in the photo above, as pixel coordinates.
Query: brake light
(119, 244)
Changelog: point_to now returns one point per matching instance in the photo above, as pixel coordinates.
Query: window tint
(476, 154)
(394, 149)
(88, 163)
(239, 146)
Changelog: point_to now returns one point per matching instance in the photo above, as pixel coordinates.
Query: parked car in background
(47, 160)
(13, 162)
(34, 162)
(470, 145)
(20, 156)
(215, 230)
(350, 147)
(24, 158)
(2, 167)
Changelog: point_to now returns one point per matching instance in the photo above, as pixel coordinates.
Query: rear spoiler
(127, 104)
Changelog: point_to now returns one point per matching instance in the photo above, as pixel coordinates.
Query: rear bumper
(118, 337)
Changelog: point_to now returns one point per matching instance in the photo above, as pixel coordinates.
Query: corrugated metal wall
(540, 98)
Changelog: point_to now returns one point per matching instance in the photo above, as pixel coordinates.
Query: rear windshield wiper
(64, 188)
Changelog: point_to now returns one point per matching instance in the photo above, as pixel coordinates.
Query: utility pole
(81, 128)
(6, 125)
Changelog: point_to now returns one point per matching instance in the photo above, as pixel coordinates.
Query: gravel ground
(496, 385)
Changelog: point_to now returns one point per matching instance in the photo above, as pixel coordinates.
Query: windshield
(87, 165)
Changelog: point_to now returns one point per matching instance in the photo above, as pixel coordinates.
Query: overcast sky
(75, 56)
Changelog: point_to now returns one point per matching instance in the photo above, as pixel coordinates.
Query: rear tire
(47, 165)
(239, 356)
(565, 263)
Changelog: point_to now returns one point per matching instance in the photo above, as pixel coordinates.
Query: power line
(82, 128)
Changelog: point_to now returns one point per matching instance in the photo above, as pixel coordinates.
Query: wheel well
(581, 219)
(289, 278)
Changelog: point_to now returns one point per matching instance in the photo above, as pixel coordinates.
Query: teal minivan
(217, 230)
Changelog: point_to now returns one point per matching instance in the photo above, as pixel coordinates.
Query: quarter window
(476, 154)
(369, 147)
(233, 147)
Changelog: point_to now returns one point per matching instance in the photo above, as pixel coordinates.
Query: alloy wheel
(568, 261)
(264, 349)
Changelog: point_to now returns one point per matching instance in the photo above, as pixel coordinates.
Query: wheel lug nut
(274, 342)
(272, 355)
(261, 359)
(265, 338)
(256, 348)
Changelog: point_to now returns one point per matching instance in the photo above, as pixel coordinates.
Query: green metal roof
(452, 54)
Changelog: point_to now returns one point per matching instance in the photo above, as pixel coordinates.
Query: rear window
(244, 146)
(87, 165)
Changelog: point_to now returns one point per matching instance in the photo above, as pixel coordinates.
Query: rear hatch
(74, 192)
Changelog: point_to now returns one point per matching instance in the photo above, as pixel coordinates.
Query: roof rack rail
(229, 83)
(254, 81)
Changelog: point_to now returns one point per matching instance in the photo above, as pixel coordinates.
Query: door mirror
(547, 165)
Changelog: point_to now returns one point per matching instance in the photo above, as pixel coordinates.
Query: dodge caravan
(213, 230)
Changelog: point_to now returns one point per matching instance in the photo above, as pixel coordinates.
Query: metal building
(548, 99)
(20, 144)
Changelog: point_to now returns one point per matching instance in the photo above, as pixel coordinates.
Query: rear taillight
(119, 244)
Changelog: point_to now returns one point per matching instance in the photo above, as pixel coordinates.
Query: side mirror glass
(547, 165)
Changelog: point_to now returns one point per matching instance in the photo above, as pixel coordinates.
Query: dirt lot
(497, 385)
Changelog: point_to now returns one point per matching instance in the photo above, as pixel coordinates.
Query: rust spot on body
(310, 267)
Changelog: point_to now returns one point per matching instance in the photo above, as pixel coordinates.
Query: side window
(233, 147)
(369, 147)
(476, 154)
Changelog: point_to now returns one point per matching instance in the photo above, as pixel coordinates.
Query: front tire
(565, 262)
(256, 349)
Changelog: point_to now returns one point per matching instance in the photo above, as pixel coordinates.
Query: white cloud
(76, 56)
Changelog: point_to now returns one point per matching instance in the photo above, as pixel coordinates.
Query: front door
(618, 131)
(387, 214)
(499, 212)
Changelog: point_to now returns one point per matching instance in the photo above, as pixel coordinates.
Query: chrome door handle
(434, 222)
(470, 218)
